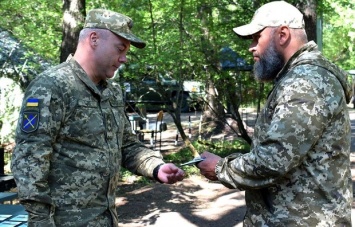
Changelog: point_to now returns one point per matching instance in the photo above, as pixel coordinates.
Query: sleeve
(296, 123)
(38, 125)
(136, 157)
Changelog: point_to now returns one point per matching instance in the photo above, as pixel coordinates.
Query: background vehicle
(196, 91)
(156, 92)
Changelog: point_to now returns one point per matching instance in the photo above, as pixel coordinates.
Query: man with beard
(297, 172)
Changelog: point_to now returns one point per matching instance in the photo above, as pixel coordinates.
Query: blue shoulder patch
(30, 120)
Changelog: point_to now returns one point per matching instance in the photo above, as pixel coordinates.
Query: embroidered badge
(30, 116)
(30, 120)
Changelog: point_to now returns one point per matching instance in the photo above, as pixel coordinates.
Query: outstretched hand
(170, 174)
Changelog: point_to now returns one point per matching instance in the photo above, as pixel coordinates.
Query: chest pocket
(265, 117)
(87, 121)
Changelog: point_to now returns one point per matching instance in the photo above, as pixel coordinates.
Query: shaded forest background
(185, 40)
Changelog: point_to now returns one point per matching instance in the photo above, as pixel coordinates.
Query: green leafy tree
(37, 24)
(184, 40)
(339, 32)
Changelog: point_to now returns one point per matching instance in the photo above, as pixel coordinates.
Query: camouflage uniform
(70, 146)
(298, 170)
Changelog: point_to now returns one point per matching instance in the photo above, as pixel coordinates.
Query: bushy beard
(269, 64)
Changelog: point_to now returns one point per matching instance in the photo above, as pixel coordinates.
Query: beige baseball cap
(272, 14)
(117, 23)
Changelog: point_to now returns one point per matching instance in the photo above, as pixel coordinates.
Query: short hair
(84, 33)
(300, 34)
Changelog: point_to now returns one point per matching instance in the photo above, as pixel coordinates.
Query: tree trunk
(308, 9)
(174, 110)
(73, 19)
(214, 112)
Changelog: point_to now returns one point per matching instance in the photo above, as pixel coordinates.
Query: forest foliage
(38, 24)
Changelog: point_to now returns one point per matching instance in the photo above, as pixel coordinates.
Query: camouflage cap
(272, 14)
(115, 22)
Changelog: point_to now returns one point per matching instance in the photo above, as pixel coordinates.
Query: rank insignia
(30, 120)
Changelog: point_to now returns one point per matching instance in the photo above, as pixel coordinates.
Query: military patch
(32, 102)
(30, 120)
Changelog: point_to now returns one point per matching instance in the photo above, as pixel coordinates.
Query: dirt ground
(193, 202)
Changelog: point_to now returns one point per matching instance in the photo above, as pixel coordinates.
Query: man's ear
(94, 38)
(284, 35)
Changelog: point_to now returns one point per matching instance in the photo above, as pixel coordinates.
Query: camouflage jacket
(297, 172)
(72, 137)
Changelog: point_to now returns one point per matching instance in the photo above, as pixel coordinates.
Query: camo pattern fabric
(297, 172)
(67, 168)
(117, 23)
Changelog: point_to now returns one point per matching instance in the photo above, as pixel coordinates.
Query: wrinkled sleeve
(30, 162)
(136, 157)
(297, 121)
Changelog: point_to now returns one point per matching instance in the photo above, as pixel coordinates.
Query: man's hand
(207, 166)
(170, 174)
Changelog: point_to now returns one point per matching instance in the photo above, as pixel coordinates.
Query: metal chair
(158, 127)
